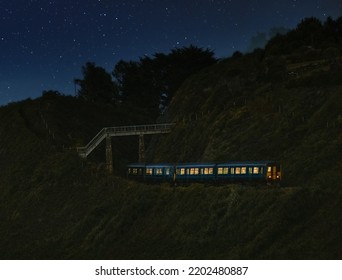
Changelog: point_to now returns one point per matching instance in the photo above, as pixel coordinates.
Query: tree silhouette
(310, 33)
(96, 85)
(181, 64)
(136, 87)
(151, 82)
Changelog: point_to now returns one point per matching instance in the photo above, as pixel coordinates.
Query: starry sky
(45, 43)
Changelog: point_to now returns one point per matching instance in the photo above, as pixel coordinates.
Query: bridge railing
(139, 129)
(123, 131)
(84, 151)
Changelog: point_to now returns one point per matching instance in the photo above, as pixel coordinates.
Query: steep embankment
(53, 205)
(239, 110)
(86, 216)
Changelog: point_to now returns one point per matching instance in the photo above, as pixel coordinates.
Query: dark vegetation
(282, 102)
(149, 83)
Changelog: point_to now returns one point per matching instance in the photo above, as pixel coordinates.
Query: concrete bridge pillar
(141, 148)
(109, 154)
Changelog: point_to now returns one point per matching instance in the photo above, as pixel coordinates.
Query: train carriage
(150, 172)
(159, 172)
(259, 171)
(136, 171)
(240, 171)
(195, 172)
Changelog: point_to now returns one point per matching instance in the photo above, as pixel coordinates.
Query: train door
(278, 172)
(171, 175)
(273, 172)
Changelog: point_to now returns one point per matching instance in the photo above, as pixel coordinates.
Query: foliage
(150, 83)
(97, 85)
(310, 32)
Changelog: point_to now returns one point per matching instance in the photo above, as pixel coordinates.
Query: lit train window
(220, 171)
(256, 170)
(232, 170)
(208, 171)
(135, 171)
(182, 171)
(269, 169)
(148, 171)
(225, 170)
(139, 171)
(159, 171)
(129, 171)
(243, 170)
(193, 171)
(238, 170)
(167, 171)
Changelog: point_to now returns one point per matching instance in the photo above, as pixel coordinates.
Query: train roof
(204, 164)
(196, 164)
(150, 165)
(159, 165)
(245, 163)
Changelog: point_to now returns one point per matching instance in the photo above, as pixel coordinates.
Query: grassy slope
(223, 116)
(54, 206)
(94, 218)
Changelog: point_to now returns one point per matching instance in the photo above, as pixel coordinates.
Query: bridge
(108, 132)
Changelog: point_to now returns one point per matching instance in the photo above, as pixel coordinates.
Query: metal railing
(123, 131)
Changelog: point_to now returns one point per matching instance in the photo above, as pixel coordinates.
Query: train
(267, 172)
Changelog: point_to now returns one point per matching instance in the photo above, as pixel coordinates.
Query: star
(37, 35)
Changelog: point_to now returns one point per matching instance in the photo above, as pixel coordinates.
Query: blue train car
(260, 171)
(241, 171)
(159, 172)
(195, 172)
(136, 171)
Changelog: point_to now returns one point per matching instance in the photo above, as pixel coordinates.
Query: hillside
(258, 106)
(237, 110)
(55, 206)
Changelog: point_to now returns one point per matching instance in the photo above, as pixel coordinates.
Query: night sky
(44, 44)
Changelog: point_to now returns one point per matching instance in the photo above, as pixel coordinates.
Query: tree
(184, 62)
(151, 82)
(136, 86)
(309, 31)
(97, 85)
